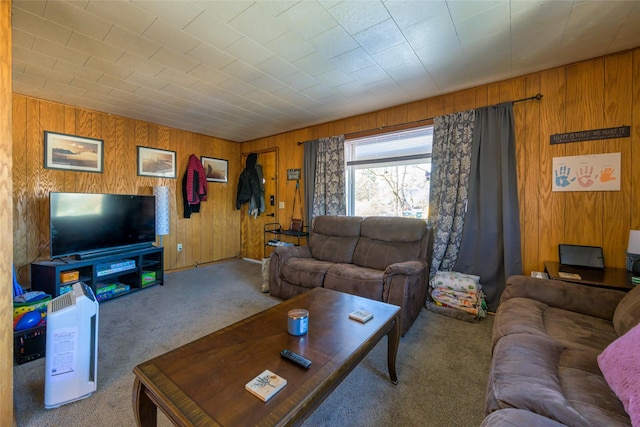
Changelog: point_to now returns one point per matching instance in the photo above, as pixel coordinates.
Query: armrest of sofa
(406, 268)
(405, 285)
(286, 252)
(588, 300)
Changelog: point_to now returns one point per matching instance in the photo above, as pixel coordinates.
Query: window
(388, 174)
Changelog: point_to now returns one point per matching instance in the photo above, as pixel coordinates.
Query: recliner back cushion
(388, 240)
(627, 314)
(334, 238)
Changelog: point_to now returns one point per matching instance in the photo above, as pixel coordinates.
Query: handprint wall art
(596, 172)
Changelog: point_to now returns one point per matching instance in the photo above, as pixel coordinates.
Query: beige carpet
(442, 362)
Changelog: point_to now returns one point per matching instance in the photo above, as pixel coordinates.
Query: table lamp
(162, 210)
(633, 248)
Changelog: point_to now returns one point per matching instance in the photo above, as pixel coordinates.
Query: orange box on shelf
(69, 276)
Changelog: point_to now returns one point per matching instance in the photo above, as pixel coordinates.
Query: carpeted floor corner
(442, 363)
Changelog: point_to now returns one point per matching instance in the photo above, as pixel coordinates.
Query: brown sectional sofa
(547, 335)
(381, 258)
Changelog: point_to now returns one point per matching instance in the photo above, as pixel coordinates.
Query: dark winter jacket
(249, 183)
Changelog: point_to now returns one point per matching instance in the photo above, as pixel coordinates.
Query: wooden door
(253, 226)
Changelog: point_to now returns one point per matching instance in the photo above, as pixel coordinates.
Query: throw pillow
(620, 365)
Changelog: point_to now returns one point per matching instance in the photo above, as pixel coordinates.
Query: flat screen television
(89, 224)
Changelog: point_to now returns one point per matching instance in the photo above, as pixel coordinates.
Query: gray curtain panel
(309, 173)
(490, 246)
(450, 166)
(324, 185)
(329, 196)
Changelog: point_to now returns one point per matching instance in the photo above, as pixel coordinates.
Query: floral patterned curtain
(450, 166)
(329, 196)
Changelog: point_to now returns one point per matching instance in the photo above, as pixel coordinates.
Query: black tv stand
(109, 276)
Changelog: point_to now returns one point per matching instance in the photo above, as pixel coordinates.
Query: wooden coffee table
(202, 383)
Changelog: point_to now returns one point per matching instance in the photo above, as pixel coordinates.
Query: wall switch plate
(179, 247)
(281, 205)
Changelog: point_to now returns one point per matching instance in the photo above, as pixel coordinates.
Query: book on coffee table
(265, 385)
(361, 315)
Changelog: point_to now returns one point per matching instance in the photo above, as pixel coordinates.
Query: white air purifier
(71, 364)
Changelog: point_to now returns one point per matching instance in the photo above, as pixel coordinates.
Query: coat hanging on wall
(251, 186)
(194, 186)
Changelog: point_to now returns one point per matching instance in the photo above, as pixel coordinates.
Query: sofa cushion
(627, 314)
(305, 272)
(388, 240)
(541, 375)
(334, 238)
(349, 278)
(620, 365)
(529, 316)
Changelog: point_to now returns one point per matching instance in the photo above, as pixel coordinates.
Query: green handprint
(562, 176)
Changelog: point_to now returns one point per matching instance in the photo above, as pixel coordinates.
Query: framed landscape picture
(156, 162)
(216, 170)
(74, 153)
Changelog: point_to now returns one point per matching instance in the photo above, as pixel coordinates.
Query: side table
(609, 277)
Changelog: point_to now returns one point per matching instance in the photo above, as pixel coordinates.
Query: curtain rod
(537, 97)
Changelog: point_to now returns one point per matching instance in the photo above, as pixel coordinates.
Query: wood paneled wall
(6, 220)
(599, 93)
(210, 235)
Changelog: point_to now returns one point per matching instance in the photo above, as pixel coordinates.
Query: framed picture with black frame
(156, 162)
(73, 153)
(216, 170)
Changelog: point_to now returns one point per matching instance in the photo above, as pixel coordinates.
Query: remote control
(296, 358)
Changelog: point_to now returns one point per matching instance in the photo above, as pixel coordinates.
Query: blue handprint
(562, 176)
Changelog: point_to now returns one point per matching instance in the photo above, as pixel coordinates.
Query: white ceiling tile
(370, 75)
(300, 80)
(408, 12)
(355, 16)
(141, 65)
(534, 16)
(174, 60)
(314, 64)
(494, 20)
(225, 10)
(276, 67)
(33, 6)
(208, 74)
(395, 56)
(30, 56)
(122, 13)
(132, 42)
(115, 70)
(290, 47)
(77, 71)
(353, 60)
(57, 50)
(171, 37)
(249, 51)
(22, 38)
(253, 23)
(211, 56)
(39, 26)
(151, 83)
(442, 53)
(271, 51)
(430, 31)
(307, 19)
(333, 42)
(47, 74)
(94, 47)
(77, 19)
(208, 28)
(380, 37)
(463, 9)
(179, 13)
(177, 78)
